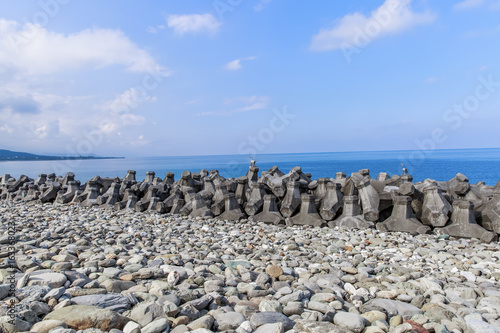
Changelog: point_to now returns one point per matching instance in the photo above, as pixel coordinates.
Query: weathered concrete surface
(308, 214)
(402, 218)
(270, 212)
(436, 210)
(351, 215)
(463, 224)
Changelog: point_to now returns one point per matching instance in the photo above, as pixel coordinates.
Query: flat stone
(228, 321)
(271, 328)
(49, 279)
(261, 318)
(391, 307)
(115, 302)
(81, 317)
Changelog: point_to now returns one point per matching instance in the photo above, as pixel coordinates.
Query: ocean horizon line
(323, 152)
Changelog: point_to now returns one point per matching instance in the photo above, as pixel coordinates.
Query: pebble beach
(90, 270)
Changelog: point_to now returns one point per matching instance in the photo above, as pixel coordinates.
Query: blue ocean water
(441, 165)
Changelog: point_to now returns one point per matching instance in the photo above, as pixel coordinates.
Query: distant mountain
(8, 155)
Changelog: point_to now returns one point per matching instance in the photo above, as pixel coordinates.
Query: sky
(169, 78)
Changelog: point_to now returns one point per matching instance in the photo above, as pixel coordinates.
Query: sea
(479, 165)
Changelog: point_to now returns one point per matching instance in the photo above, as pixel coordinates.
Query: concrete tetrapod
(436, 210)
(68, 195)
(199, 207)
(256, 199)
(50, 194)
(463, 224)
(417, 197)
(308, 214)
(241, 190)
(332, 202)
(351, 215)
(270, 212)
(370, 201)
(402, 218)
(291, 200)
(232, 211)
(490, 215)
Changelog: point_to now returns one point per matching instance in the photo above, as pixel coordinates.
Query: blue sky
(159, 78)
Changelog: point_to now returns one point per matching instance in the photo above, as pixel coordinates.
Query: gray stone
(144, 313)
(270, 305)
(479, 326)
(111, 301)
(47, 278)
(86, 316)
(206, 321)
(391, 307)
(132, 327)
(156, 326)
(19, 325)
(261, 318)
(228, 321)
(271, 328)
(350, 321)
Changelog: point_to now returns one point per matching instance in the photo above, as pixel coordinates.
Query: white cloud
(240, 104)
(154, 30)
(49, 130)
(468, 4)
(193, 23)
(261, 5)
(236, 64)
(125, 102)
(357, 30)
(120, 112)
(35, 50)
